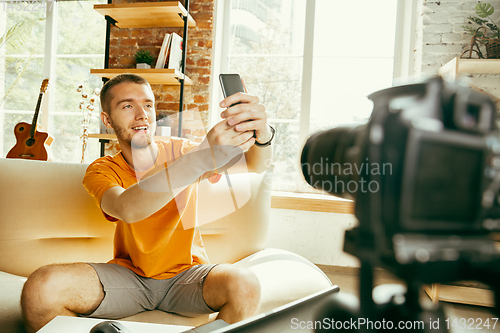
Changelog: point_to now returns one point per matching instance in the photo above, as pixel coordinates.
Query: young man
(149, 190)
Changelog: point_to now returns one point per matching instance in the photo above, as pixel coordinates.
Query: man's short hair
(106, 95)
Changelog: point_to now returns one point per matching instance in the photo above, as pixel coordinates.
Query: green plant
(13, 40)
(484, 11)
(143, 56)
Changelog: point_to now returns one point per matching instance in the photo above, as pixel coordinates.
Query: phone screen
(231, 84)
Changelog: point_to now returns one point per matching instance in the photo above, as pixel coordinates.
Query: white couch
(46, 216)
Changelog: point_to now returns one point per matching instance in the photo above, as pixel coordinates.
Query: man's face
(132, 114)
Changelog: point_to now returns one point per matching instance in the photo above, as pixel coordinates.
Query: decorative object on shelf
(87, 110)
(474, 46)
(488, 32)
(143, 59)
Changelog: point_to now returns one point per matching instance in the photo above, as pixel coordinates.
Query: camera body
(442, 145)
(425, 175)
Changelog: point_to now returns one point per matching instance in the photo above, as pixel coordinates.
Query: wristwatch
(268, 143)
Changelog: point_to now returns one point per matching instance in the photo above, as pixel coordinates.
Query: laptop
(287, 318)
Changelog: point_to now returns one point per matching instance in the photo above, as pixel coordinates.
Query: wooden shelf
(154, 76)
(457, 66)
(462, 295)
(146, 14)
(474, 293)
(472, 66)
(113, 137)
(311, 202)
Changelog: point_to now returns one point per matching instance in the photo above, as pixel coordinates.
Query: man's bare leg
(234, 292)
(55, 290)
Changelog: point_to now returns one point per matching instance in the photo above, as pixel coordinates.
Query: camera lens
(329, 160)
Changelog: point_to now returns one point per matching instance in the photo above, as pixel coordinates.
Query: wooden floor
(467, 316)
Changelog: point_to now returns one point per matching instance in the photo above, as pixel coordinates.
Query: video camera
(425, 176)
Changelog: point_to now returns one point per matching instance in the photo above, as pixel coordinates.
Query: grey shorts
(126, 293)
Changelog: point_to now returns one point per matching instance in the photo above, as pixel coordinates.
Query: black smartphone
(231, 84)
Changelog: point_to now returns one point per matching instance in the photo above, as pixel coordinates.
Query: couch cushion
(48, 217)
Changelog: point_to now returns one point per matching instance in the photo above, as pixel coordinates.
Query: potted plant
(488, 32)
(143, 59)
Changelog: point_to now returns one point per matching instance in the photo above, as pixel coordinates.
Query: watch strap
(268, 143)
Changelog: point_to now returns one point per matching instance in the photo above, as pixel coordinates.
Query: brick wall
(443, 37)
(124, 44)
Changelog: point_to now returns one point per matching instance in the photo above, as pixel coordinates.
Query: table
(62, 324)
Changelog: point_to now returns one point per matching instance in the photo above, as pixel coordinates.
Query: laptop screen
(287, 318)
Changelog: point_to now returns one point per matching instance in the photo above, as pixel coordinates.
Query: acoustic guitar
(30, 143)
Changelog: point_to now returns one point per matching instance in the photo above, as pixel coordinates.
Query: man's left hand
(249, 115)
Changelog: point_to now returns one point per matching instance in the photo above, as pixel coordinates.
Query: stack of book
(171, 53)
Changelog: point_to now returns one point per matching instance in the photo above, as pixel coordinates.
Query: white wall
(316, 236)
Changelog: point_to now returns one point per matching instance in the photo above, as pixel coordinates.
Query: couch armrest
(284, 277)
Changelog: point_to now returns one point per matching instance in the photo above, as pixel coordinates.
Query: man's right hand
(222, 145)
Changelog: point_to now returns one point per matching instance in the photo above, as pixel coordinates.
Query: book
(162, 57)
(175, 57)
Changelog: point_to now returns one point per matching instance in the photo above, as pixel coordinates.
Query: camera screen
(447, 183)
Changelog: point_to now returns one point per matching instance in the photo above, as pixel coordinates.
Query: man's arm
(146, 197)
(149, 195)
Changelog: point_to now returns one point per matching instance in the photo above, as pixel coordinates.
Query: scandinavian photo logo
(346, 177)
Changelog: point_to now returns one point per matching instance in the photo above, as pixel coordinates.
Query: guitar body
(36, 148)
(30, 143)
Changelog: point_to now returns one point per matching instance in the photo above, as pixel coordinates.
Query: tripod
(467, 258)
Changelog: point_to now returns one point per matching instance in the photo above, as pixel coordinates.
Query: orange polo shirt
(158, 246)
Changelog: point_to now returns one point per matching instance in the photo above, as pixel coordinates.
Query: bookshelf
(147, 15)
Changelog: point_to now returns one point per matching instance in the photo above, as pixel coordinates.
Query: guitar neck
(35, 117)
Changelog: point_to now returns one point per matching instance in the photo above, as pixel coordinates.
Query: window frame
(405, 69)
(50, 56)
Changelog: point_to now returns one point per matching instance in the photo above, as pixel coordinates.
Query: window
(68, 41)
(312, 63)
(24, 94)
